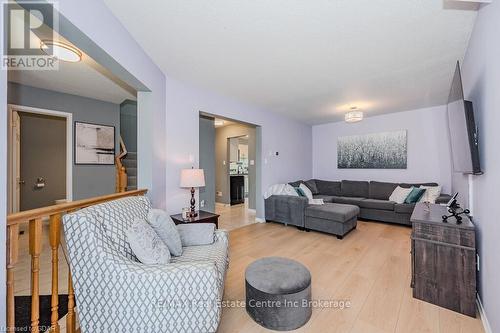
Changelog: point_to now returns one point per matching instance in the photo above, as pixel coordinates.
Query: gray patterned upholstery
(116, 293)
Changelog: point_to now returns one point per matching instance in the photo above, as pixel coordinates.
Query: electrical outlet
(219, 193)
(477, 262)
(202, 203)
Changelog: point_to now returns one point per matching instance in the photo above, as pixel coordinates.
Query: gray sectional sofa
(372, 198)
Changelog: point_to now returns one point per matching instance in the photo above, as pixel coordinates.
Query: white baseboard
(484, 319)
(252, 210)
(258, 219)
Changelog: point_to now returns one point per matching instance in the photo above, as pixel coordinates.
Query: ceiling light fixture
(218, 122)
(354, 115)
(61, 51)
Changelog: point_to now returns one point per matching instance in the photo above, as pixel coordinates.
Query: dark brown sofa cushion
(381, 190)
(354, 188)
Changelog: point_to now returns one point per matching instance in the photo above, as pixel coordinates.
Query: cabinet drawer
(442, 233)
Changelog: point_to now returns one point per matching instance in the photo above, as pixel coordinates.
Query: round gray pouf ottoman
(278, 293)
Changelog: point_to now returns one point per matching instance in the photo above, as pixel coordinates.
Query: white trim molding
(482, 313)
(260, 220)
(69, 139)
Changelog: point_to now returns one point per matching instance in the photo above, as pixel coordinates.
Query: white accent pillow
(146, 244)
(306, 191)
(166, 230)
(399, 194)
(431, 193)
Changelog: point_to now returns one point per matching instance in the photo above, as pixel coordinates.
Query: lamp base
(193, 212)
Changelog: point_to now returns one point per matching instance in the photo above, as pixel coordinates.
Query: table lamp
(191, 178)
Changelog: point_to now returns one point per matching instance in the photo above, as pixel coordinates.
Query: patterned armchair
(116, 293)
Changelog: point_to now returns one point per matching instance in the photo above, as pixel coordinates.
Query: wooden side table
(443, 259)
(203, 217)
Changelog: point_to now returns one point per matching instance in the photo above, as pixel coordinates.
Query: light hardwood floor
(370, 268)
(232, 217)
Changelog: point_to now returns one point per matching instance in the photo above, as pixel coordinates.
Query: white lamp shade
(192, 178)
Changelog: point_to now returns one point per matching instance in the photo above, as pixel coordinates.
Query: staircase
(130, 164)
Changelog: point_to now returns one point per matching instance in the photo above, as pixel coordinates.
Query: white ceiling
(311, 60)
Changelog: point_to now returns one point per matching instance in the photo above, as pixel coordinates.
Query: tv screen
(462, 129)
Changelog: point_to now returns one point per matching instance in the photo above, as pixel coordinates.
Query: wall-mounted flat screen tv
(462, 128)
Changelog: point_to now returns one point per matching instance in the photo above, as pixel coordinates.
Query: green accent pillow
(300, 191)
(415, 195)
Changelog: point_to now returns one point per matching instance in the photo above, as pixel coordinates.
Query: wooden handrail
(35, 217)
(27, 215)
(121, 171)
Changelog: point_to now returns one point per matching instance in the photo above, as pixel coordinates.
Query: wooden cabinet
(443, 260)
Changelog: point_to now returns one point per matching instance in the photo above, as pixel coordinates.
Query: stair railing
(121, 171)
(34, 220)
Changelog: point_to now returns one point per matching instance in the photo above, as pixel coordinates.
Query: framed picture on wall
(386, 150)
(94, 144)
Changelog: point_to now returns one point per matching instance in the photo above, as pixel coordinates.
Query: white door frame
(69, 139)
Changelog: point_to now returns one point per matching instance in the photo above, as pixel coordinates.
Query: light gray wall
(222, 134)
(207, 162)
(43, 154)
(428, 147)
(481, 80)
(128, 124)
(88, 180)
(279, 133)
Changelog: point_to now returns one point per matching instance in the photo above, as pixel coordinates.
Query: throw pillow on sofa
(300, 192)
(431, 193)
(166, 230)
(415, 195)
(306, 191)
(399, 194)
(146, 244)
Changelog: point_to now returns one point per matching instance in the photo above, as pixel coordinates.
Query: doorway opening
(40, 163)
(229, 157)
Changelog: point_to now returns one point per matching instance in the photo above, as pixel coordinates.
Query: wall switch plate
(219, 193)
(252, 162)
(202, 203)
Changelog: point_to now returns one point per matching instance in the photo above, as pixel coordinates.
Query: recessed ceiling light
(354, 115)
(61, 51)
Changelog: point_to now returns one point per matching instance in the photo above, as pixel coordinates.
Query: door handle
(21, 182)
